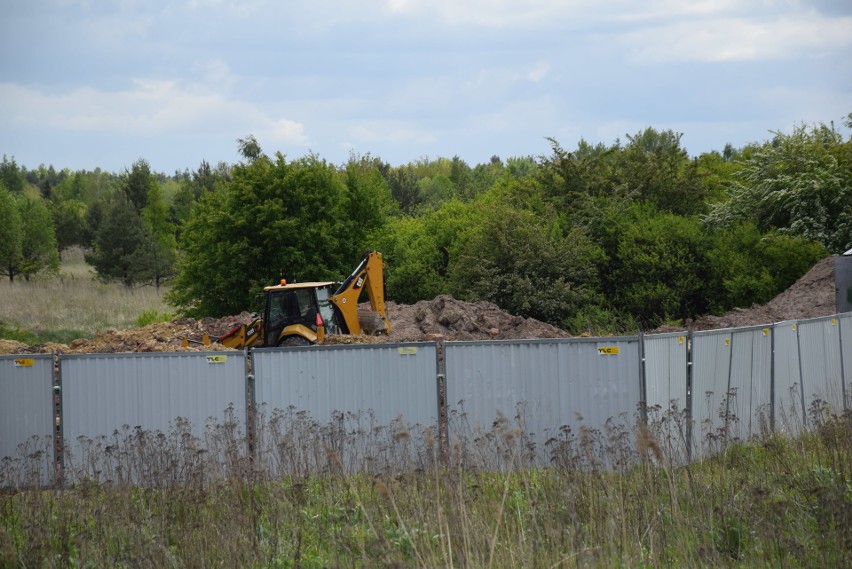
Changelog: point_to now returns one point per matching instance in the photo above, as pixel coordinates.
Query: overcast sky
(102, 83)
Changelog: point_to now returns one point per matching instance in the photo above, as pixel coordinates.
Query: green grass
(769, 503)
(73, 305)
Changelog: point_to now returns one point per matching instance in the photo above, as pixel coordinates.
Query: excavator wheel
(294, 340)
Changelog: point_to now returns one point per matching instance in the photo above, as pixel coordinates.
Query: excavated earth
(443, 317)
(811, 296)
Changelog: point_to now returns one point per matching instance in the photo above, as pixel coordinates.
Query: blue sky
(96, 83)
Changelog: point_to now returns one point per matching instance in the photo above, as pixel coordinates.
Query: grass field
(73, 305)
(774, 502)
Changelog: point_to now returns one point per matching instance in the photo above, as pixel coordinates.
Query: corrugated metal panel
(711, 366)
(545, 385)
(665, 370)
(108, 398)
(349, 399)
(27, 420)
(819, 340)
(787, 400)
(666, 358)
(846, 356)
(750, 388)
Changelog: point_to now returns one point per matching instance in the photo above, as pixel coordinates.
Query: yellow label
(727, 341)
(680, 340)
(793, 327)
(834, 321)
(217, 359)
(608, 351)
(766, 331)
(407, 351)
(24, 362)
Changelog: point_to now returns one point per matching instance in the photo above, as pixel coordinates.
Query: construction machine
(301, 314)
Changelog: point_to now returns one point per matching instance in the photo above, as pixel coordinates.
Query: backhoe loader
(301, 314)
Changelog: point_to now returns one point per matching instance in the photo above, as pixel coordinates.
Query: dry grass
(772, 502)
(75, 302)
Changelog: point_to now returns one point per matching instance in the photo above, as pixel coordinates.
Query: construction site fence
(190, 417)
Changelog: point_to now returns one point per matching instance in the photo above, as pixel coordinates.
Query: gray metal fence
(177, 417)
(116, 406)
(666, 380)
(342, 405)
(27, 419)
(545, 390)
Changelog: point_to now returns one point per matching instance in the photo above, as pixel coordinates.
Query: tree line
(598, 238)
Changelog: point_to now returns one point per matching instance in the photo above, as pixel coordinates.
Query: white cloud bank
(149, 108)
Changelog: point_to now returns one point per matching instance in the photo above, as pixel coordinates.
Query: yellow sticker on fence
(766, 331)
(608, 351)
(24, 362)
(680, 340)
(727, 341)
(407, 351)
(217, 359)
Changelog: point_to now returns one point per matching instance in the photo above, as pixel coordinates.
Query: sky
(88, 84)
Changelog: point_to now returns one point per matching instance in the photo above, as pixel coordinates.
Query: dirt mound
(160, 337)
(811, 296)
(458, 320)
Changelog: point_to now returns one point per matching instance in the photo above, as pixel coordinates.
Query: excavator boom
(369, 275)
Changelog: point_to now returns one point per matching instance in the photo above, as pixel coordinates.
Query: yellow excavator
(301, 314)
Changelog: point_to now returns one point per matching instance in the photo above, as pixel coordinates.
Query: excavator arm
(369, 275)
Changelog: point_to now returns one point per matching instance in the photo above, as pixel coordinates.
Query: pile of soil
(454, 319)
(811, 296)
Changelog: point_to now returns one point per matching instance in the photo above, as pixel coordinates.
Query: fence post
(842, 367)
(690, 343)
(58, 436)
(772, 377)
(643, 381)
(801, 377)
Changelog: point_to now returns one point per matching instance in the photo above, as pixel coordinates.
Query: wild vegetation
(609, 499)
(74, 304)
(601, 238)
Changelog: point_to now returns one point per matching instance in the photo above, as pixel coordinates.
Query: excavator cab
(298, 314)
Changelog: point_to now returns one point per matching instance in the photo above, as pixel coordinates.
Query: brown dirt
(811, 296)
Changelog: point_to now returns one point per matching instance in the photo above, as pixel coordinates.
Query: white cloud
(396, 132)
(740, 40)
(539, 72)
(150, 108)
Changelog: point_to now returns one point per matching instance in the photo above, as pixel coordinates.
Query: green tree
(11, 175)
(418, 250)
(653, 167)
(800, 184)
(530, 264)
(656, 266)
(117, 239)
(403, 183)
(39, 252)
(154, 259)
(69, 218)
(137, 184)
(275, 219)
(754, 267)
(11, 234)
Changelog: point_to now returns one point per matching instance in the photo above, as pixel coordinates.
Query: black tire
(294, 340)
